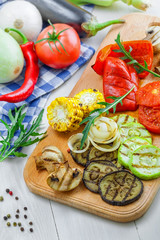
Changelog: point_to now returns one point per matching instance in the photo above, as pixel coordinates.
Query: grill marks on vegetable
(64, 178)
(94, 171)
(120, 188)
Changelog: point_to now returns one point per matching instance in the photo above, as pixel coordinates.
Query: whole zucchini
(63, 11)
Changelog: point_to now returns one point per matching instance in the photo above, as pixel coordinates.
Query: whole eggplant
(63, 11)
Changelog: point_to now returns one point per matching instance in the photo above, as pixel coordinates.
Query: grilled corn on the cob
(88, 99)
(64, 114)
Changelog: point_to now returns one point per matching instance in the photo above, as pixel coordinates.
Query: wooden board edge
(126, 216)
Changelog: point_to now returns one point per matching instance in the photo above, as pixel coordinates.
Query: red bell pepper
(118, 79)
(142, 50)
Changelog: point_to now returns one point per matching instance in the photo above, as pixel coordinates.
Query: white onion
(23, 16)
(76, 138)
(106, 147)
(104, 130)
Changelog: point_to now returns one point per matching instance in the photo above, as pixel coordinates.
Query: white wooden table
(52, 220)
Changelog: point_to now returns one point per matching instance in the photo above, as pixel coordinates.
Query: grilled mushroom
(153, 35)
(50, 158)
(64, 178)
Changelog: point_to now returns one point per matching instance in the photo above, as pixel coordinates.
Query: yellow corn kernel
(64, 114)
(88, 100)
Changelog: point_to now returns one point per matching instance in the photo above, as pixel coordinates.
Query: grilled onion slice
(104, 130)
(120, 188)
(94, 171)
(107, 147)
(74, 143)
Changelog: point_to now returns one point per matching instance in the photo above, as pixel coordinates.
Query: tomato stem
(53, 38)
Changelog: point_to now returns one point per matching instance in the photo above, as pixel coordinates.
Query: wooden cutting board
(81, 198)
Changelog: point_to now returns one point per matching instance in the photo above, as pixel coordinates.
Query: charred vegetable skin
(64, 178)
(62, 11)
(31, 74)
(118, 78)
(94, 172)
(120, 188)
(142, 50)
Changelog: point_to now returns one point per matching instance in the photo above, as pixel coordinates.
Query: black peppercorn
(25, 216)
(16, 198)
(7, 190)
(22, 229)
(25, 208)
(31, 229)
(17, 216)
(5, 218)
(30, 223)
(17, 211)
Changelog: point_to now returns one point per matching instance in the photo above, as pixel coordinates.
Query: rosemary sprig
(127, 55)
(25, 137)
(97, 112)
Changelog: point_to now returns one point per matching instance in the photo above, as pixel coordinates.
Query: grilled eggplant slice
(97, 155)
(80, 158)
(94, 171)
(132, 129)
(123, 119)
(50, 158)
(64, 178)
(127, 148)
(120, 188)
(145, 162)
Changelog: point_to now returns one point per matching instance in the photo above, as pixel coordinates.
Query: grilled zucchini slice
(132, 129)
(145, 162)
(94, 171)
(64, 178)
(123, 119)
(120, 188)
(97, 155)
(126, 149)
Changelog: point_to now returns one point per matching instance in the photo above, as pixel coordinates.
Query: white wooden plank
(39, 210)
(148, 225)
(75, 224)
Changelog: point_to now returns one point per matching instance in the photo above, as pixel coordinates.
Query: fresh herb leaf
(127, 55)
(24, 135)
(97, 112)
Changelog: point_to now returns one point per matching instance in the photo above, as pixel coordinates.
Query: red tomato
(150, 118)
(149, 95)
(58, 57)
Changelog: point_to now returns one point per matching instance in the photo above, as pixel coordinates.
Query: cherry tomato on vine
(58, 45)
